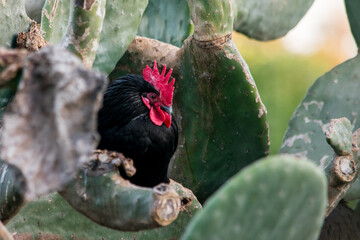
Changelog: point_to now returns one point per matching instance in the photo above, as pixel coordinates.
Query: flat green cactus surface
(13, 19)
(119, 28)
(114, 202)
(84, 31)
(223, 120)
(334, 95)
(52, 215)
(167, 21)
(280, 197)
(121, 22)
(54, 20)
(266, 20)
(212, 20)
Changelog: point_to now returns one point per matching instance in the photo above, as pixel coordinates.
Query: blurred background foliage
(284, 69)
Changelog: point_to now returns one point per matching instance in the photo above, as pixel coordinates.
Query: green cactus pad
(121, 22)
(211, 21)
(84, 29)
(339, 136)
(334, 95)
(267, 20)
(167, 21)
(54, 20)
(113, 202)
(353, 9)
(277, 198)
(223, 120)
(53, 215)
(120, 25)
(12, 190)
(13, 20)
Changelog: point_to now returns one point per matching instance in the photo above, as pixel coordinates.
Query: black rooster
(136, 120)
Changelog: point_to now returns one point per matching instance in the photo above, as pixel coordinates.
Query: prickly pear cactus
(84, 30)
(52, 216)
(13, 20)
(54, 19)
(323, 102)
(305, 135)
(167, 21)
(121, 21)
(264, 20)
(120, 24)
(222, 117)
(288, 202)
(331, 106)
(114, 206)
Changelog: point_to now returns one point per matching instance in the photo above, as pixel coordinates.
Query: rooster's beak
(166, 109)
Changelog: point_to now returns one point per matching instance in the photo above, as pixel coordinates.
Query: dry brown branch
(51, 127)
(12, 61)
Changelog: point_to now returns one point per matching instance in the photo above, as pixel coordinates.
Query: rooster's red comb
(160, 82)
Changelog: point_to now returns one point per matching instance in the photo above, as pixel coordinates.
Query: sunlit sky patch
(324, 26)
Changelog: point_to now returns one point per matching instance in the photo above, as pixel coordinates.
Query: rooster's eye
(151, 96)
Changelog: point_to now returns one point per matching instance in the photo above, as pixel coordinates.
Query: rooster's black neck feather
(125, 126)
(122, 101)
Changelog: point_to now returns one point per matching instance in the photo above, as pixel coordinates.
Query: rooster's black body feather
(125, 126)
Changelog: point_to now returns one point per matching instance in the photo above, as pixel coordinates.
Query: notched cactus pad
(13, 20)
(280, 197)
(334, 95)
